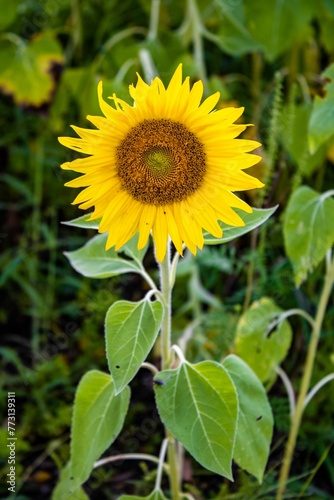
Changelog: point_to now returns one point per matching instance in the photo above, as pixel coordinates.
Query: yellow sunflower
(167, 164)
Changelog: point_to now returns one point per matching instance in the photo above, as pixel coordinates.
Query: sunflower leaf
(255, 423)
(253, 220)
(270, 27)
(94, 261)
(25, 69)
(83, 222)
(277, 25)
(131, 329)
(308, 230)
(199, 405)
(130, 248)
(255, 343)
(98, 417)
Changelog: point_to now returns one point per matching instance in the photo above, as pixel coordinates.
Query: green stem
(161, 463)
(149, 68)
(312, 350)
(197, 32)
(166, 322)
(154, 20)
(76, 32)
(126, 456)
(166, 290)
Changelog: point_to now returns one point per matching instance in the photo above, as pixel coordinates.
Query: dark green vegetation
(271, 57)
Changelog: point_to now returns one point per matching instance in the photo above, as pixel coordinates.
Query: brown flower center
(160, 162)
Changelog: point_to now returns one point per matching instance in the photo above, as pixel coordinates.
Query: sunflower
(168, 164)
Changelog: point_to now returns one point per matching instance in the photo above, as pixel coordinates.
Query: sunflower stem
(197, 36)
(166, 290)
(305, 384)
(154, 20)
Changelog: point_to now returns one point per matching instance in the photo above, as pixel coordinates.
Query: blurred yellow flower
(167, 164)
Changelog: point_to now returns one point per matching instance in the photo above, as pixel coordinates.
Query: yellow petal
(173, 230)
(147, 220)
(160, 234)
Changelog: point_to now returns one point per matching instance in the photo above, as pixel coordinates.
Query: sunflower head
(169, 165)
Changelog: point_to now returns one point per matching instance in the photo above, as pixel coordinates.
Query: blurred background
(275, 59)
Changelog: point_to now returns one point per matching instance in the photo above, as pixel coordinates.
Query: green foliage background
(274, 58)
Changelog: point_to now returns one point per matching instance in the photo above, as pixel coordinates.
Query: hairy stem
(312, 350)
(166, 321)
(166, 290)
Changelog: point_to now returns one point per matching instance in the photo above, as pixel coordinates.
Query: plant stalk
(166, 290)
(197, 32)
(312, 351)
(154, 20)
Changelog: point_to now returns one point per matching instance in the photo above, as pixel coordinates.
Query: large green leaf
(308, 230)
(199, 405)
(255, 423)
(234, 36)
(94, 261)
(262, 350)
(155, 495)
(253, 220)
(271, 27)
(25, 69)
(98, 417)
(131, 329)
(278, 24)
(321, 125)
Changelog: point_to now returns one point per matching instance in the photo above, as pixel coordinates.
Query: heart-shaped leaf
(199, 405)
(131, 329)
(98, 417)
